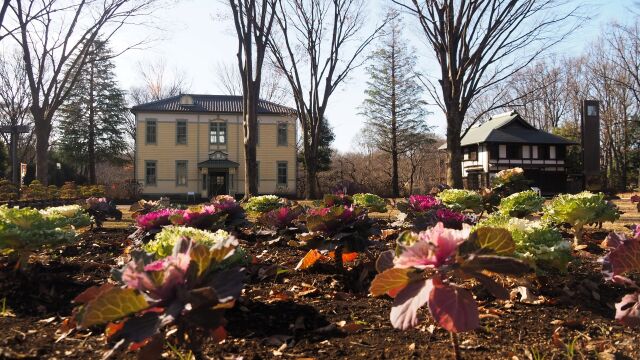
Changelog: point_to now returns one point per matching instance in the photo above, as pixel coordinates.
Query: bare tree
(478, 44)
(273, 88)
(253, 20)
(3, 11)
(14, 99)
(55, 50)
(158, 82)
(319, 44)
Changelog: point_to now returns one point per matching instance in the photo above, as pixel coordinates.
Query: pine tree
(94, 116)
(395, 113)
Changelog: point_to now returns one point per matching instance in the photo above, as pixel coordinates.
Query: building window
(493, 151)
(181, 132)
(513, 151)
(282, 134)
(181, 173)
(526, 151)
(502, 151)
(218, 133)
(534, 152)
(552, 152)
(150, 172)
(151, 132)
(282, 173)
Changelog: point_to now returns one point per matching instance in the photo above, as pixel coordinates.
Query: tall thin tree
(394, 111)
(477, 45)
(253, 20)
(319, 43)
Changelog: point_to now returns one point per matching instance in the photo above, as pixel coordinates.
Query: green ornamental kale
(579, 210)
(460, 199)
(370, 202)
(521, 204)
(263, 204)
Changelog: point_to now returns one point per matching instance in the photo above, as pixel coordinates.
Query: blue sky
(196, 35)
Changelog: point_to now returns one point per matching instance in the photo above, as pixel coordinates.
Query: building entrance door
(217, 184)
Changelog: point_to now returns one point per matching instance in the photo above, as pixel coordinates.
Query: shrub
(537, 243)
(521, 204)
(69, 190)
(35, 191)
(53, 192)
(190, 290)
(460, 199)
(8, 191)
(88, 191)
(370, 202)
(580, 209)
(263, 204)
(510, 181)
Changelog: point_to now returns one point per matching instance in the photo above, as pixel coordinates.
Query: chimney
(591, 144)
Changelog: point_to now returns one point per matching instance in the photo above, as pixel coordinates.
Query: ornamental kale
(330, 200)
(226, 204)
(189, 289)
(166, 239)
(537, 243)
(26, 229)
(263, 204)
(521, 204)
(460, 199)
(280, 219)
(580, 209)
(341, 230)
(420, 272)
(101, 209)
(424, 211)
(624, 258)
(371, 202)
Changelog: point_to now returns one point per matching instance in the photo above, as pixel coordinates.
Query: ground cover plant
(189, 290)
(460, 199)
(418, 273)
(324, 312)
(622, 260)
(579, 210)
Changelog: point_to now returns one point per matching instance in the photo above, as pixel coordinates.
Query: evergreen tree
(394, 111)
(94, 116)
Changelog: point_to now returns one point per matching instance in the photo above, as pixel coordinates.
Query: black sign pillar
(591, 144)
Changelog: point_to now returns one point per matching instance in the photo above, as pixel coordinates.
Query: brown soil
(322, 313)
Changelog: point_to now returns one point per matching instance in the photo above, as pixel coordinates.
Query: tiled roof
(228, 104)
(509, 128)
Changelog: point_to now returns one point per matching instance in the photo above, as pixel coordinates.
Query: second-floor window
(282, 173)
(218, 133)
(534, 152)
(526, 151)
(502, 151)
(282, 134)
(181, 132)
(151, 132)
(552, 152)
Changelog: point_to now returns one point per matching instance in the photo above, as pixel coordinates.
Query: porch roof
(218, 164)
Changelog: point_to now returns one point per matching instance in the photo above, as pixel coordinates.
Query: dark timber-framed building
(507, 141)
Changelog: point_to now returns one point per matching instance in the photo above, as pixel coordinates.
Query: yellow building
(193, 144)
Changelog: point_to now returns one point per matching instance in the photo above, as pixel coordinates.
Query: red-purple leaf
(624, 258)
(453, 308)
(628, 310)
(390, 282)
(404, 313)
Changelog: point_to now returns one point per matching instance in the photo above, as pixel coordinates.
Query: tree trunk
(454, 150)
(250, 128)
(312, 173)
(42, 130)
(92, 131)
(395, 188)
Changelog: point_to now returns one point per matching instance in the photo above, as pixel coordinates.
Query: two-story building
(193, 144)
(507, 141)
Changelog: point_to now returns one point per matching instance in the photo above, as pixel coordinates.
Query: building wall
(166, 152)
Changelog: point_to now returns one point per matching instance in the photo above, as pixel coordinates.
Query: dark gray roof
(228, 104)
(509, 128)
(218, 164)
